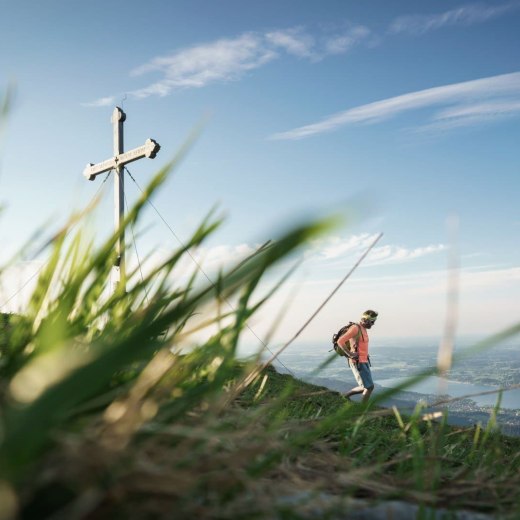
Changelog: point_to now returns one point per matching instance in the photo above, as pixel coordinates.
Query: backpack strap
(358, 335)
(340, 350)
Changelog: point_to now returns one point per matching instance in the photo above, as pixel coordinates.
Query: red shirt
(350, 335)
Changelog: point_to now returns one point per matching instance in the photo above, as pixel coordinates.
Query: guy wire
(199, 267)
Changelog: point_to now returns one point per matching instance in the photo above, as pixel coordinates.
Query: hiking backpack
(350, 353)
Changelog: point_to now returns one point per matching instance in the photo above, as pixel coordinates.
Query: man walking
(358, 360)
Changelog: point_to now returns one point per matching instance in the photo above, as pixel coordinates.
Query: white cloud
(342, 43)
(334, 248)
(410, 303)
(471, 115)
(101, 102)
(466, 97)
(293, 41)
(323, 257)
(223, 60)
(418, 294)
(229, 59)
(465, 15)
(479, 110)
(393, 254)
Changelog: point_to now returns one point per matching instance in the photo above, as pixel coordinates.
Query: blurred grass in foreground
(87, 380)
(103, 414)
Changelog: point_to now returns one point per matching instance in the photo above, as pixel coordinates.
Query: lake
(394, 359)
(431, 385)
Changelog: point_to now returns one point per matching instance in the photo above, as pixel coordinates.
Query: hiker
(360, 361)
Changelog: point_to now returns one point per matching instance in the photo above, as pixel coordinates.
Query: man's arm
(345, 338)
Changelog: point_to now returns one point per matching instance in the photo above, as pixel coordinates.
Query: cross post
(117, 163)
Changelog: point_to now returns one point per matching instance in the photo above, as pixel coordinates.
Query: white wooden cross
(117, 163)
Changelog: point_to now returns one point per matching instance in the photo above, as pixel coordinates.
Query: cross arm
(91, 171)
(149, 149)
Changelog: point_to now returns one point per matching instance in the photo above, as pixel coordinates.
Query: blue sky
(408, 111)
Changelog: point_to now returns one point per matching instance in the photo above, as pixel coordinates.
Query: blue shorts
(362, 374)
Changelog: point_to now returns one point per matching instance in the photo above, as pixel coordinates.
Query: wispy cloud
(223, 60)
(293, 41)
(394, 254)
(470, 101)
(334, 247)
(101, 102)
(469, 14)
(472, 115)
(229, 59)
(342, 43)
(340, 247)
(325, 253)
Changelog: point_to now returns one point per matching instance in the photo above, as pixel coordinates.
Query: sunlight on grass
(105, 413)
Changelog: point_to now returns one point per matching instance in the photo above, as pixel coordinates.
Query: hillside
(105, 413)
(379, 455)
(282, 448)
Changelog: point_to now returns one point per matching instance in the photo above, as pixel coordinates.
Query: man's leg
(366, 377)
(357, 376)
(367, 392)
(356, 390)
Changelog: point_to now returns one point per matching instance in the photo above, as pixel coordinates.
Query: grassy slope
(381, 455)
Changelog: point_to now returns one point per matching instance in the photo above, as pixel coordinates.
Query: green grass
(90, 384)
(381, 454)
(104, 412)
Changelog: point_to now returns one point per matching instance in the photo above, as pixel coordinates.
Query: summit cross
(117, 163)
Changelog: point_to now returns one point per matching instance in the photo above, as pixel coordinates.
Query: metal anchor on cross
(117, 163)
